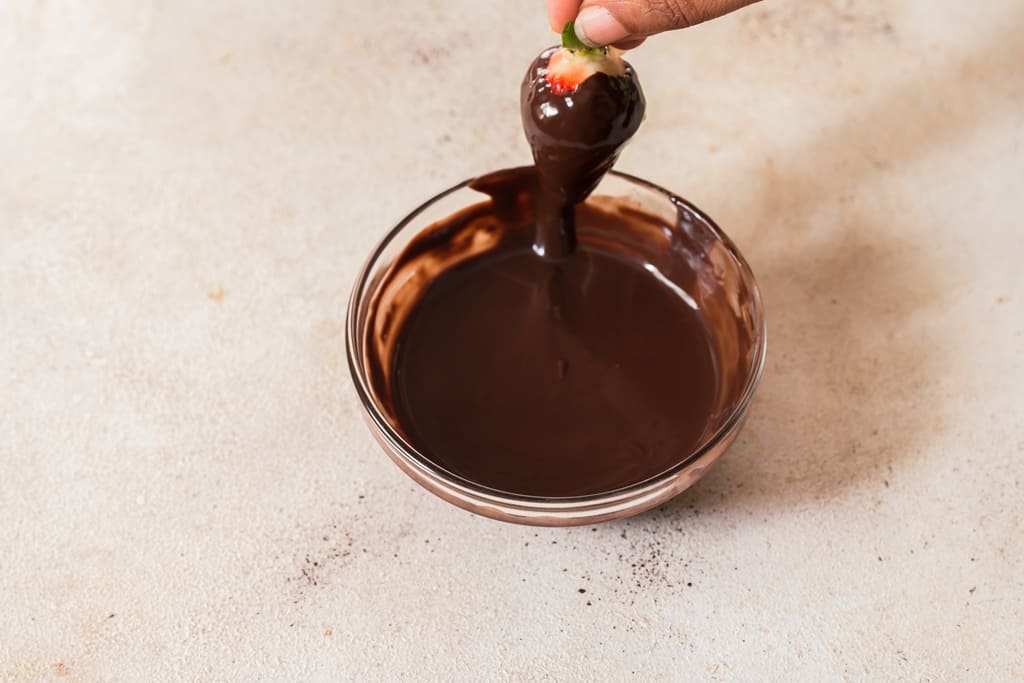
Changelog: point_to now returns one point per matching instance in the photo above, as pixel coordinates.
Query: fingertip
(596, 26)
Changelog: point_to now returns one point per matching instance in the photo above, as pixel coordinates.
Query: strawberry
(575, 62)
(579, 106)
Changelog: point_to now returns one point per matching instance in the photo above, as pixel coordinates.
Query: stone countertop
(189, 493)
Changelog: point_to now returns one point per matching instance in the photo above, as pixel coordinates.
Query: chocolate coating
(575, 139)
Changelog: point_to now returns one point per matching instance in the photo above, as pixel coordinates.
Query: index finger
(560, 12)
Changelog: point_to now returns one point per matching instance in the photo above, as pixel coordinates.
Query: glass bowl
(722, 287)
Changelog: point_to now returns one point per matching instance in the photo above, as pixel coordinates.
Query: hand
(625, 23)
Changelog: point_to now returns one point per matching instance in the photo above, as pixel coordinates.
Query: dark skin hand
(626, 23)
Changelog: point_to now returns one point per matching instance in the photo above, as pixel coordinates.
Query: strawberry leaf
(570, 41)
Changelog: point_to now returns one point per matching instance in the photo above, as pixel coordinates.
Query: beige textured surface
(186, 492)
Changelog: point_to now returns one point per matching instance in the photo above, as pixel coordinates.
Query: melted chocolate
(575, 139)
(554, 378)
(587, 370)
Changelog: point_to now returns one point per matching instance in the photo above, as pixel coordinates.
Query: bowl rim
(413, 457)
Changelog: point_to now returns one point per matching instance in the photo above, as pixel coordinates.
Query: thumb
(603, 22)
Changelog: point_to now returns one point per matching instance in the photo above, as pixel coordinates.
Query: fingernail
(596, 26)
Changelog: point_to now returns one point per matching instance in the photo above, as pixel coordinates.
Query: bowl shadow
(850, 389)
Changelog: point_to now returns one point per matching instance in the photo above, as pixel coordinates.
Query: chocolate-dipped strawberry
(580, 105)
